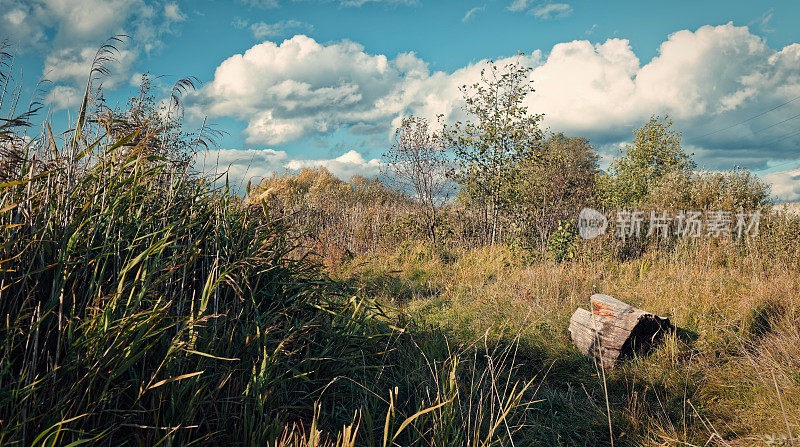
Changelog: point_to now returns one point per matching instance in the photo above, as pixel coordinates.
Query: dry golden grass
(729, 375)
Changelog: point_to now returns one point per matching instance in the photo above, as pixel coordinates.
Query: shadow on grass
(389, 288)
(565, 404)
(686, 335)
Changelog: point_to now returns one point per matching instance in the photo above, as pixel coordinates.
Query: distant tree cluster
(529, 183)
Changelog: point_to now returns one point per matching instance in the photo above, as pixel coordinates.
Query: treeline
(500, 178)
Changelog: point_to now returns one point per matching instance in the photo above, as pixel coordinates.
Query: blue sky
(323, 82)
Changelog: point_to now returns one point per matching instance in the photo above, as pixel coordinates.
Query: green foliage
(552, 186)
(562, 244)
(490, 148)
(656, 152)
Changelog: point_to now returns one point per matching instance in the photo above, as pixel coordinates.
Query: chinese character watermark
(659, 223)
(684, 224)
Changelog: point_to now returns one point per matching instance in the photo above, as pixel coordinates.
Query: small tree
(656, 152)
(490, 148)
(553, 185)
(417, 162)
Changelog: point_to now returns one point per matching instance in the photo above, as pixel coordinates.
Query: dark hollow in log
(615, 330)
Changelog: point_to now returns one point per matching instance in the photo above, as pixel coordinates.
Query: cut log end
(615, 330)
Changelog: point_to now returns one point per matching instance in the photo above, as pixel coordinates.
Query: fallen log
(614, 330)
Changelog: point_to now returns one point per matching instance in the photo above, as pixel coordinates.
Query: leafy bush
(562, 243)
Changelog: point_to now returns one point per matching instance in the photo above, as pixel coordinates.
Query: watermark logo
(632, 224)
(591, 223)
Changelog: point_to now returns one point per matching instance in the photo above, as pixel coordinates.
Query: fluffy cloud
(60, 24)
(241, 165)
(301, 87)
(30, 23)
(785, 185)
(708, 80)
(69, 32)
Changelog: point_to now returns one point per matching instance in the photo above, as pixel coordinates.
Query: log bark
(614, 330)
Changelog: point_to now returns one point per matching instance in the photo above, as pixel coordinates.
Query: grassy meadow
(727, 376)
(145, 304)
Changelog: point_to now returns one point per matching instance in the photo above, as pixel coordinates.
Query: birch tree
(499, 135)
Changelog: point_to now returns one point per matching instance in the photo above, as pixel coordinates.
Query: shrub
(732, 191)
(562, 243)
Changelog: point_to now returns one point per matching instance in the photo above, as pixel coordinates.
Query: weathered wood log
(614, 330)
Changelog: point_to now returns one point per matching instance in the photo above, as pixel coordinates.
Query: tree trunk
(494, 221)
(615, 330)
(432, 225)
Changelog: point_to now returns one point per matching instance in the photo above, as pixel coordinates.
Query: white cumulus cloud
(708, 80)
(785, 185)
(68, 33)
(301, 87)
